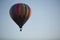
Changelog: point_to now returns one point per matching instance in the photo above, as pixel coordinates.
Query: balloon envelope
(20, 13)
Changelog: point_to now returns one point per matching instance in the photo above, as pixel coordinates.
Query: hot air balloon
(20, 13)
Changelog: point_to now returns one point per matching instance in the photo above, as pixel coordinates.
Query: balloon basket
(20, 29)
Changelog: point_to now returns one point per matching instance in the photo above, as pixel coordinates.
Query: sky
(44, 22)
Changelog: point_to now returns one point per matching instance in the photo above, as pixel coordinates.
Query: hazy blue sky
(44, 22)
